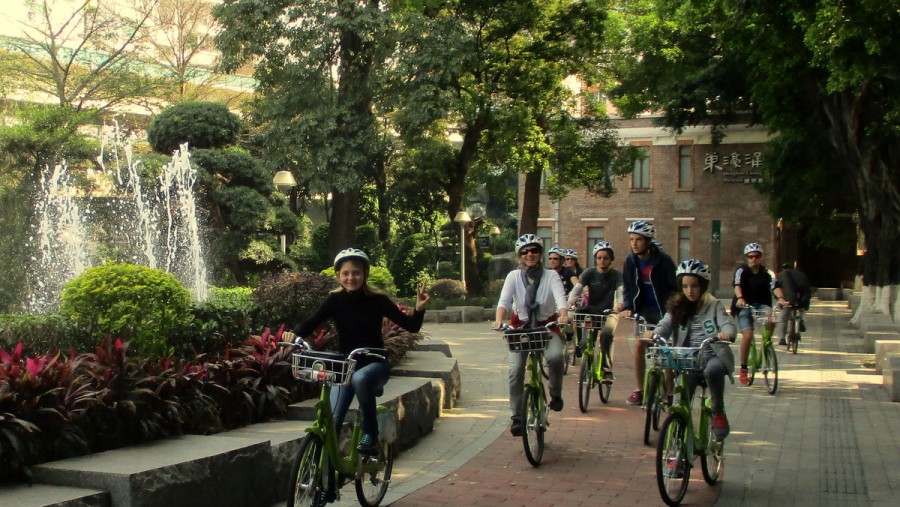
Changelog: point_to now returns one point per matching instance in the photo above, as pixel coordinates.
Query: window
(594, 234)
(640, 175)
(546, 235)
(685, 174)
(684, 243)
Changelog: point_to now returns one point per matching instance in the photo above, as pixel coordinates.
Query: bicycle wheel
(770, 369)
(712, 461)
(533, 436)
(373, 476)
(306, 474)
(652, 406)
(585, 381)
(793, 342)
(673, 473)
(604, 387)
(567, 354)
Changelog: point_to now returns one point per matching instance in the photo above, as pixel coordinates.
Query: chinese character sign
(735, 167)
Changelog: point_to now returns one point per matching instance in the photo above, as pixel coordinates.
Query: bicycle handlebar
(303, 345)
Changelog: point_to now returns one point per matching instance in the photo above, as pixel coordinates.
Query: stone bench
(434, 346)
(892, 376)
(201, 470)
(432, 364)
(883, 348)
(870, 337)
(43, 495)
(414, 403)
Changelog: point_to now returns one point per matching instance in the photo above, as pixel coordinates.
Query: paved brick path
(596, 458)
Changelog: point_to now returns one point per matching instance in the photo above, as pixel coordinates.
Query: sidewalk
(842, 446)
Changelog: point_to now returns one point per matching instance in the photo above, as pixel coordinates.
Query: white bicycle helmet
(528, 240)
(753, 247)
(693, 267)
(557, 250)
(643, 228)
(603, 245)
(348, 254)
(571, 253)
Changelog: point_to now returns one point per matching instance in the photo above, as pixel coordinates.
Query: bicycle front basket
(589, 320)
(322, 367)
(524, 340)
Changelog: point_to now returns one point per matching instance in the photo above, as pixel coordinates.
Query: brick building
(700, 197)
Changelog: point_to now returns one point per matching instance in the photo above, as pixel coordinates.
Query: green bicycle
(320, 463)
(679, 440)
(592, 370)
(534, 410)
(763, 359)
(654, 386)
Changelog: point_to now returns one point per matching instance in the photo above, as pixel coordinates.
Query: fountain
(152, 225)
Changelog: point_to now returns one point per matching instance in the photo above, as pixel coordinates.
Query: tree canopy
(820, 74)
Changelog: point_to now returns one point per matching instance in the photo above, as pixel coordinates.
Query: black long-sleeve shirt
(358, 319)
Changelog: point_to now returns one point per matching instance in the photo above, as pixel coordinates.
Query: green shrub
(446, 288)
(225, 318)
(135, 303)
(413, 256)
(290, 298)
(40, 333)
(200, 124)
(367, 241)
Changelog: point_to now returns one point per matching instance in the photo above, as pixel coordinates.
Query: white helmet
(528, 240)
(603, 245)
(557, 250)
(351, 253)
(693, 267)
(571, 253)
(643, 228)
(753, 247)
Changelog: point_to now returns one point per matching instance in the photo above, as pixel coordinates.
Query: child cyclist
(358, 312)
(692, 316)
(604, 285)
(537, 296)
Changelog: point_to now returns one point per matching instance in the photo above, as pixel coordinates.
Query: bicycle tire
(651, 407)
(585, 381)
(533, 430)
(794, 343)
(372, 486)
(567, 354)
(672, 448)
(770, 369)
(306, 473)
(604, 387)
(712, 460)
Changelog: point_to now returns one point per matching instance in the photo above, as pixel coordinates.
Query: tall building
(701, 198)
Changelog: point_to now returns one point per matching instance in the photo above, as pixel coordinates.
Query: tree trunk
(870, 162)
(344, 219)
(531, 203)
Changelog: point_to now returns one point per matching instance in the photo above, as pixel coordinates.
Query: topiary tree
(290, 298)
(200, 124)
(142, 305)
(447, 289)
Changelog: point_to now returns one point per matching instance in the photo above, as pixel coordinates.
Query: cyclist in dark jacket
(649, 280)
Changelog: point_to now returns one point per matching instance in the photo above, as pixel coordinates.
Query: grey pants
(554, 355)
(714, 373)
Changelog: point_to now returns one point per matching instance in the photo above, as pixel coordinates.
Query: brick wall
(725, 194)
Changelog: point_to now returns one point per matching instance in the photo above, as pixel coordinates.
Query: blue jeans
(366, 383)
(745, 316)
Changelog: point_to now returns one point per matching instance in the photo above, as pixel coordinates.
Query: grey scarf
(532, 279)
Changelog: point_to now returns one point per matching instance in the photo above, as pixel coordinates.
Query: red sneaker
(743, 377)
(720, 426)
(636, 398)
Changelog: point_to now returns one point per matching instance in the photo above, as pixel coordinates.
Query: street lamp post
(494, 232)
(284, 181)
(462, 218)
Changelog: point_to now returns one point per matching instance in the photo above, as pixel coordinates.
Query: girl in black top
(358, 312)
